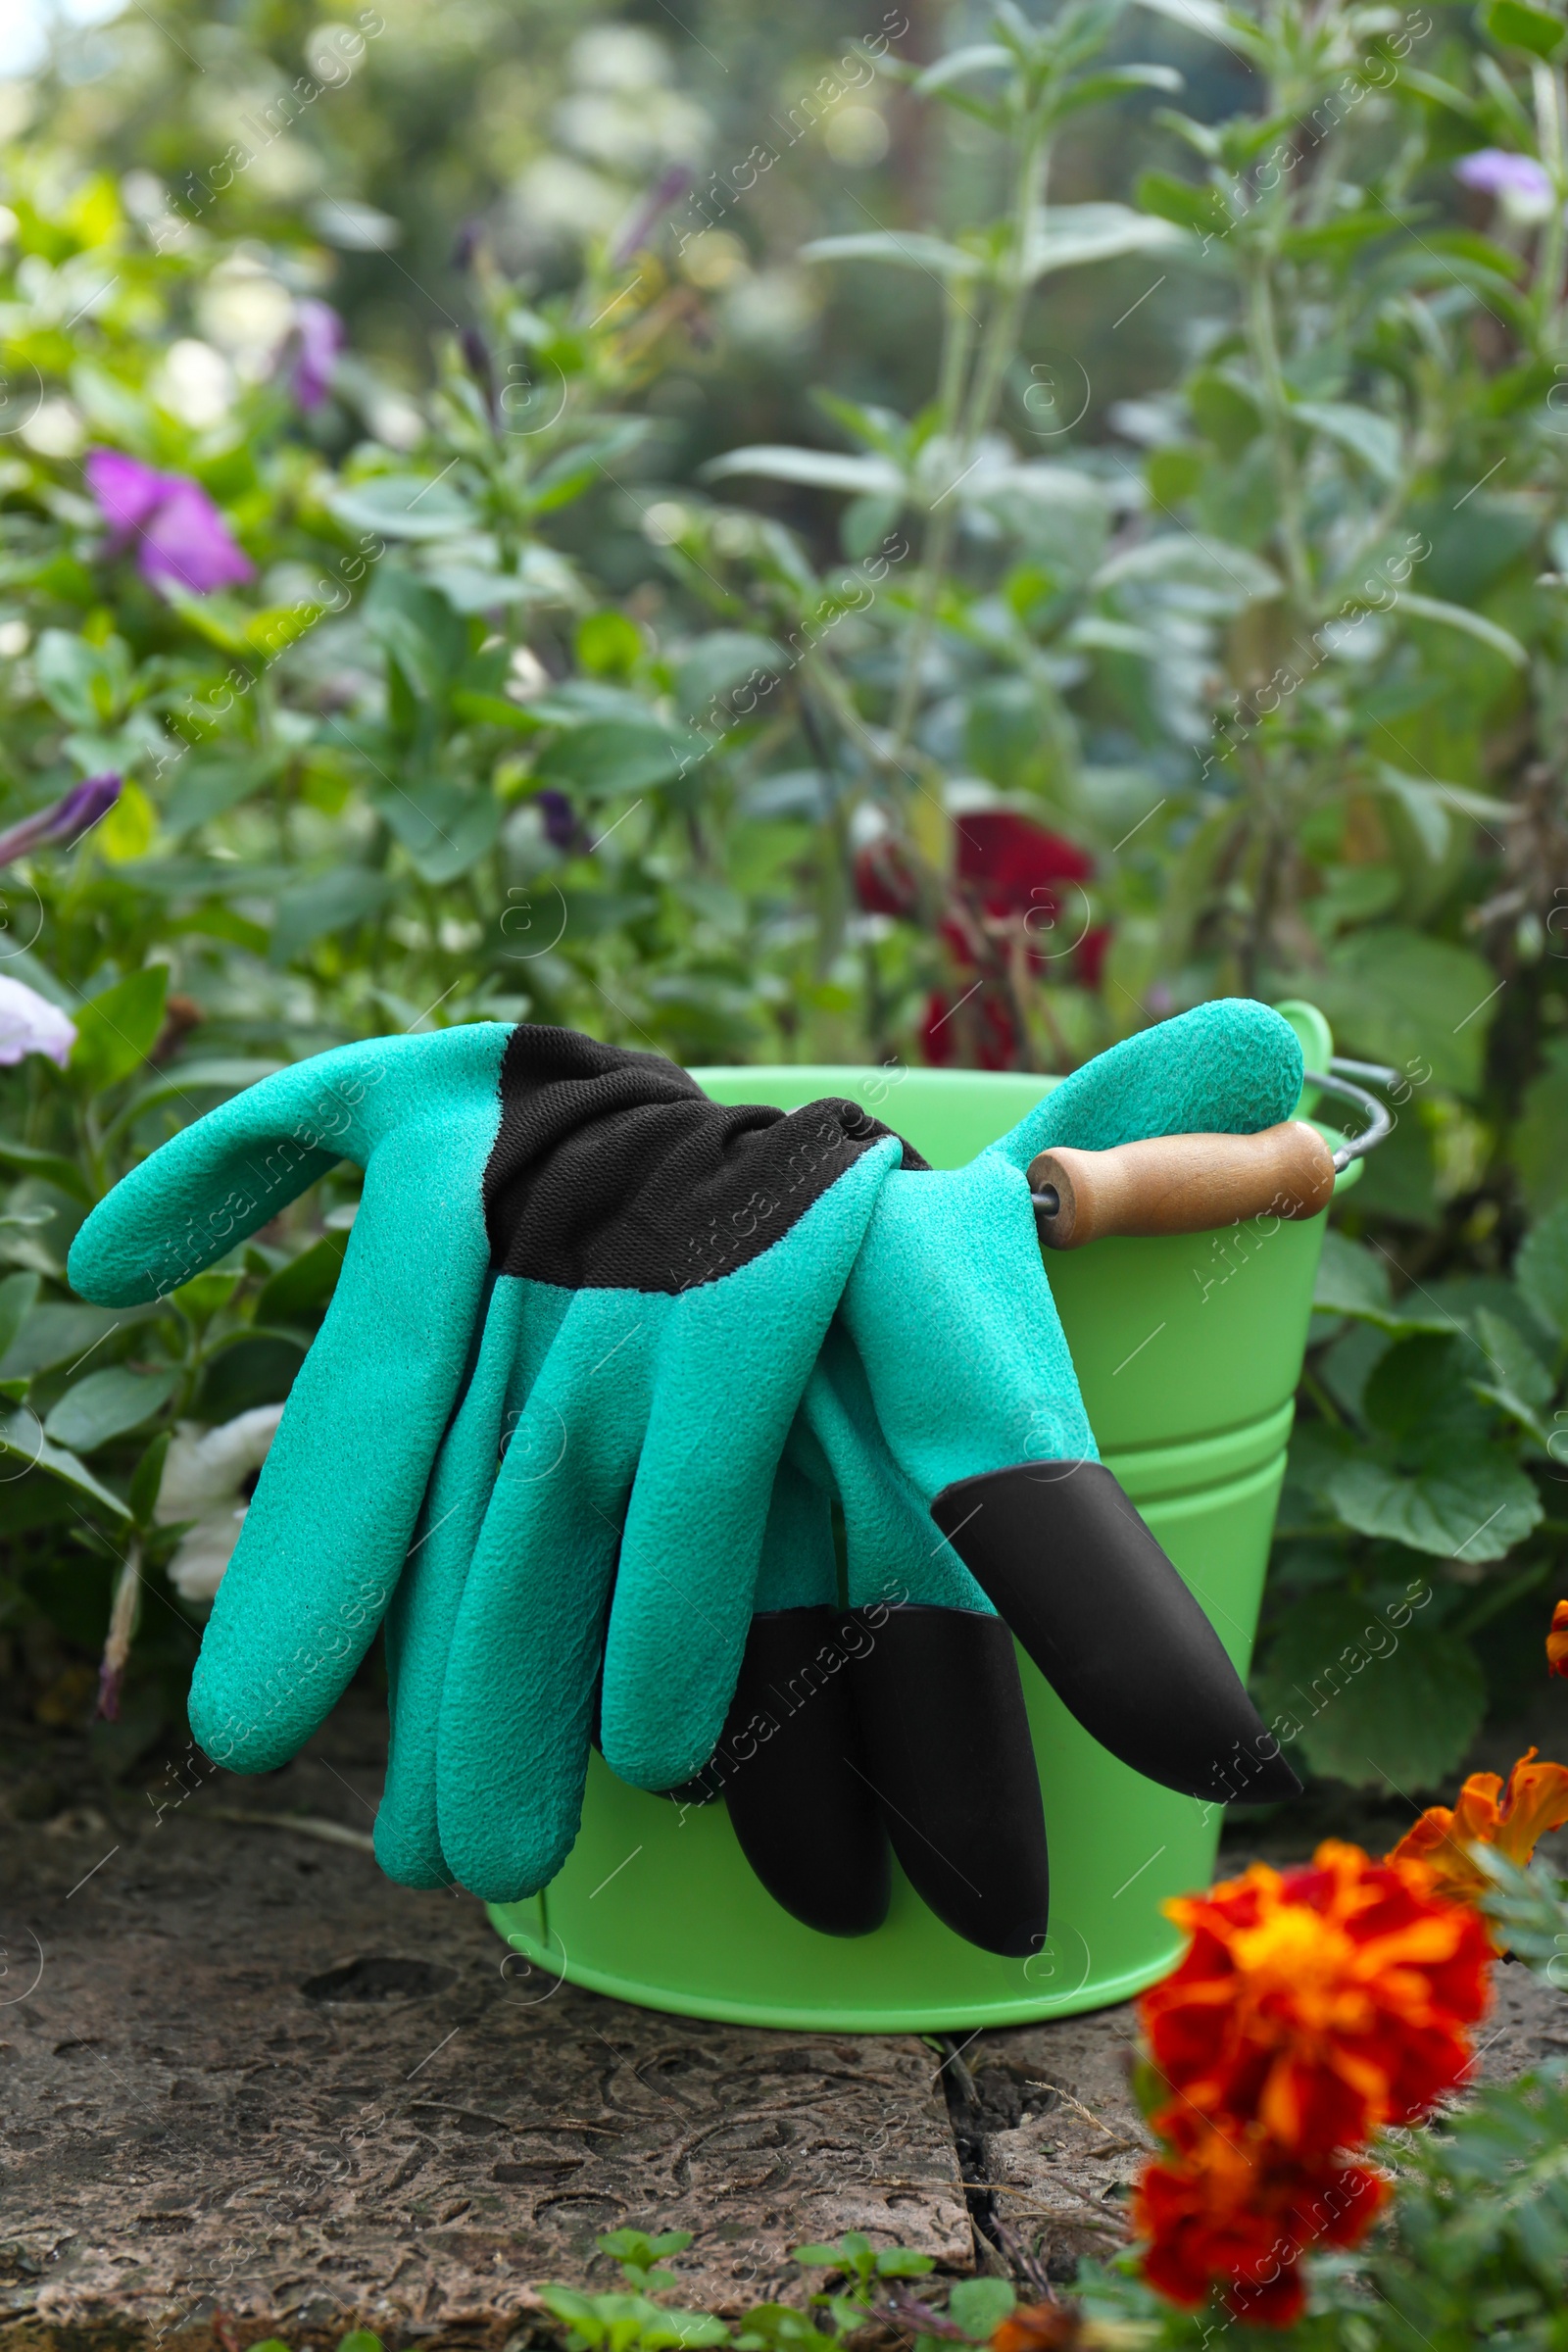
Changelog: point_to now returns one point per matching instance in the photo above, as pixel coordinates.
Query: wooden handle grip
(1181, 1183)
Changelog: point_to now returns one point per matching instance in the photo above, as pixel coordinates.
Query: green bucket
(1189, 1349)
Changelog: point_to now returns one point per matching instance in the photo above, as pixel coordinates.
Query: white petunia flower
(31, 1024)
(204, 1477)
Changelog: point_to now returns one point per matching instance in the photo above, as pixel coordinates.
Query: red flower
(1011, 876)
(944, 1042)
(883, 882)
(1013, 862)
(1230, 2212)
(1323, 2001)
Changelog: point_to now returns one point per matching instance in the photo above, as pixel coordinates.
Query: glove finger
(892, 1559)
(732, 1364)
(424, 1612)
(1112, 1627)
(328, 1530)
(1229, 1067)
(225, 1175)
(516, 1703)
(947, 1745)
(790, 1763)
(795, 1777)
(949, 1757)
(962, 1357)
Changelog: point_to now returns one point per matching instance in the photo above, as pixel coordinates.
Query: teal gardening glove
(560, 1245)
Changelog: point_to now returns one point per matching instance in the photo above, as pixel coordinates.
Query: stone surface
(247, 2084)
(239, 2066)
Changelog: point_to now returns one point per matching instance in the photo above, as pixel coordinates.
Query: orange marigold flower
(1041, 2328)
(1234, 2214)
(1319, 2003)
(1557, 1641)
(1511, 1818)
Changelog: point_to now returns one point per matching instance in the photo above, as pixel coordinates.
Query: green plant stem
(978, 412)
(1313, 1384)
(1551, 111)
(1502, 1597)
(1263, 342)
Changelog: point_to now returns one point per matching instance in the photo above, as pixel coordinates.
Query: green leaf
(1513, 1366)
(1540, 1269)
(205, 1295)
(207, 788)
(1399, 997)
(88, 684)
(445, 827)
(1351, 1280)
(258, 1367)
(22, 1436)
(106, 1405)
(1100, 89)
(50, 1164)
(1472, 624)
(1512, 24)
(565, 477)
(1431, 804)
(335, 902)
(404, 505)
(147, 1479)
(184, 1081)
(977, 56)
(302, 1289)
(720, 661)
(1375, 1695)
(1335, 237)
(415, 625)
(980, 2305)
(1188, 204)
(1471, 1509)
(117, 1030)
(820, 468)
(1226, 25)
(1538, 1144)
(1065, 236)
(906, 249)
(1230, 579)
(360, 2339)
(1224, 409)
(613, 755)
(901, 2262)
(58, 1333)
(609, 645)
(17, 1295)
(38, 1226)
(1373, 440)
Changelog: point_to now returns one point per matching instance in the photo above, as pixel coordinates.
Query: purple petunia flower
(180, 536)
(561, 827)
(1494, 171)
(80, 808)
(648, 212)
(31, 1024)
(317, 338)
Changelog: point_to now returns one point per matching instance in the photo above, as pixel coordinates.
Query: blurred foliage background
(775, 535)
